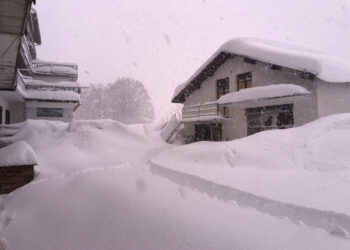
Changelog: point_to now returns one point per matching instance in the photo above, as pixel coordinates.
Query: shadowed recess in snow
(336, 224)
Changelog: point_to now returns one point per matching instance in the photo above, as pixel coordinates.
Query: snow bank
(265, 92)
(86, 144)
(307, 166)
(94, 190)
(17, 154)
(325, 67)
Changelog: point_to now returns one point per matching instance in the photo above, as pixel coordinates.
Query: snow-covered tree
(126, 100)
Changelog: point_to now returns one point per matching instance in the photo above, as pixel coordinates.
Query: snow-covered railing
(210, 109)
(25, 48)
(170, 128)
(54, 68)
(20, 86)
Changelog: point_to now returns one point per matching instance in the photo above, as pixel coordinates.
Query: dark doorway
(216, 131)
(0, 115)
(202, 132)
(7, 116)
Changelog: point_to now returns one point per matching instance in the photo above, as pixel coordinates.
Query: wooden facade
(14, 177)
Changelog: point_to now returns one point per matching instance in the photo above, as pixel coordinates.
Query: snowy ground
(96, 189)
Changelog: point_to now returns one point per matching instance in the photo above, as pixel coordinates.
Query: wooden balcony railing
(205, 110)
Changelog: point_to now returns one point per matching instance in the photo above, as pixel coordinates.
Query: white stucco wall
(304, 111)
(68, 110)
(333, 98)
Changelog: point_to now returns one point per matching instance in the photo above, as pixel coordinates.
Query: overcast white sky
(162, 42)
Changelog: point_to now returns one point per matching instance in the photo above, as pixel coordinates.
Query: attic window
(307, 75)
(275, 67)
(244, 81)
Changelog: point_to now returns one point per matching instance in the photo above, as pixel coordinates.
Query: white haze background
(161, 43)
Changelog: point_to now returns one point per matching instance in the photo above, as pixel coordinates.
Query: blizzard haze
(161, 43)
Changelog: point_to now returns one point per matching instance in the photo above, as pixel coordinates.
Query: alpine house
(31, 88)
(250, 85)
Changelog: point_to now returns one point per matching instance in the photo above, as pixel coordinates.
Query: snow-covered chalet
(31, 88)
(250, 85)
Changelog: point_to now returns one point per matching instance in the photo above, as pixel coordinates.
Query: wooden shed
(17, 162)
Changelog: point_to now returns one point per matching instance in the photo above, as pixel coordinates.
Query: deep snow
(94, 189)
(306, 166)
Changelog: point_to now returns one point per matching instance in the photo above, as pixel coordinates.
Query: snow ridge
(337, 224)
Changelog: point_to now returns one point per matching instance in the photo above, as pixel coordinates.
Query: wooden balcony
(202, 112)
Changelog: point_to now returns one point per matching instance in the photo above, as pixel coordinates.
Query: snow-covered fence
(170, 128)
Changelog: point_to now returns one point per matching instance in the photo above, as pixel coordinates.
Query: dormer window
(244, 81)
(222, 87)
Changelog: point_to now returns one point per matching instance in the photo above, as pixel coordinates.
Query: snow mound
(320, 145)
(307, 166)
(17, 154)
(86, 144)
(265, 92)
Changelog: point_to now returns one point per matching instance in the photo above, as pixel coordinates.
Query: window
(49, 112)
(0, 115)
(7, 116)
(244, 81)
(224, 111)
(222, 87)
(269, 117)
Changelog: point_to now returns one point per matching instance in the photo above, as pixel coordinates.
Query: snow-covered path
(96, 190)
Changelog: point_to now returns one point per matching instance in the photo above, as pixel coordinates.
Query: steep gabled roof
(323, 66)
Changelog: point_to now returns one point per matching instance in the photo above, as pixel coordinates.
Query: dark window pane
(49, 112)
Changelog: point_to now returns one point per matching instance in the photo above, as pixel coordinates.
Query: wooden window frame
(246, 79)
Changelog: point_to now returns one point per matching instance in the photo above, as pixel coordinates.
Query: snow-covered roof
(264, 92)
(17, 154)
(46, 67)
(56, 95)
(325, 67)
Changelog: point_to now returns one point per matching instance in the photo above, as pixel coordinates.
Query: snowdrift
(308, 165)
(62, 148)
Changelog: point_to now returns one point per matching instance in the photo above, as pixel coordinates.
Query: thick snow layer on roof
(325, 67)
(264, 92)
(57, 95)
(35, 82)
(17, 154)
